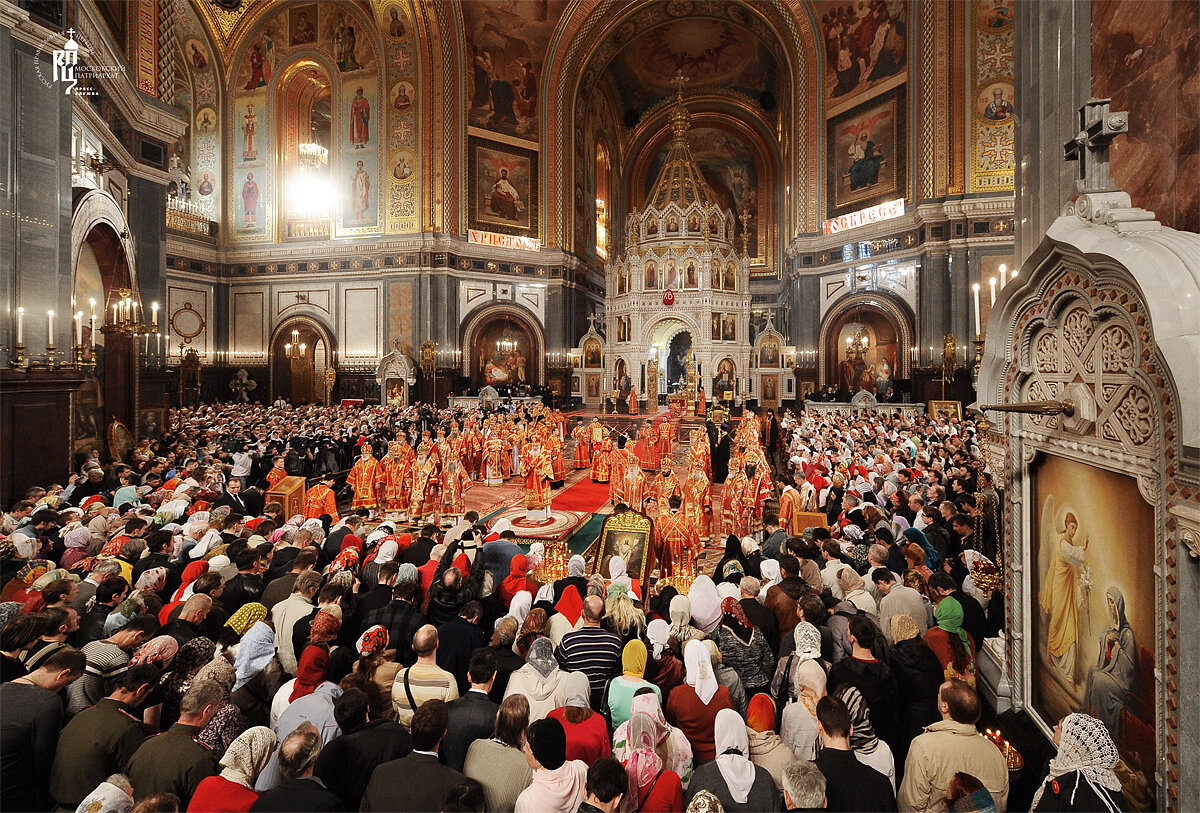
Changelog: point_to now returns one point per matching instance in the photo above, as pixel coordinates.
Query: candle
(154, 314)
(992, 285)
(1003, 271)
(78, 328)
(975, 296)
(20, 326)
(50, 328)
(116, 311)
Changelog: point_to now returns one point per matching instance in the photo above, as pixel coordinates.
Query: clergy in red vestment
(539, 470)
(647, 447)
(397, 468)
(364, 476)
(320, 500)
(422, 489)
(675, 537)
(454, 485)
(664, 486)
(602, 451)
(697, 502)
(582, 445)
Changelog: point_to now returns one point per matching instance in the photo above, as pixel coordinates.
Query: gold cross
(679, 81)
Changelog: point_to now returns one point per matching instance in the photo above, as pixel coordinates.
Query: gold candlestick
(19, 360)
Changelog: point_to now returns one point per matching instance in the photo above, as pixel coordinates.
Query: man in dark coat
(458, 639)
(300, 791)
(417, 782)
(472, 716)
(346, 763)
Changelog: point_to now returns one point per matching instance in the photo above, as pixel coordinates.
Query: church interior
(815, 250)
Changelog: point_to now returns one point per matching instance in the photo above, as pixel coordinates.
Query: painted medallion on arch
(729, 167)
(506, 48)
(713, 54)
(866, 49)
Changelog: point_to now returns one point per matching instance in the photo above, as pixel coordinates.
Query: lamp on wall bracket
(1065, 407)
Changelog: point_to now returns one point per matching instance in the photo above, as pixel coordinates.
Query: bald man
(592, 650)
(424, 680)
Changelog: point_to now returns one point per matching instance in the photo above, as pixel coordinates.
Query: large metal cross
(1097, 129)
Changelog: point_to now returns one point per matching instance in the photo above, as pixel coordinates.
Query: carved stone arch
(687, 323)
(280, 336)
(92, 208)
(894, 308)
(484, 315)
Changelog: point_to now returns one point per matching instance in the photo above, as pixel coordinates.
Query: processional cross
(1097, 129)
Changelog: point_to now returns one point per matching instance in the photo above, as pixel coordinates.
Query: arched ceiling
(715, 55)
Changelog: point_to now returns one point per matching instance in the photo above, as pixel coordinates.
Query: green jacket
(171, 762)
(97, 743)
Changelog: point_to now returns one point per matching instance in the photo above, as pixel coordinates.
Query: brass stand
(19, 360)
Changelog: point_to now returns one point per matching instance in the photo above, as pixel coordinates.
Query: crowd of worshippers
(167, 657)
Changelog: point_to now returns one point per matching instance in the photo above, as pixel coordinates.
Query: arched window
(306, 96)
(602, 199)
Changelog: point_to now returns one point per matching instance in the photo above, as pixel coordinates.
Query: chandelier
(125, 316)
(506, 345)
(858, 342)
(313, 156)
(294, 349)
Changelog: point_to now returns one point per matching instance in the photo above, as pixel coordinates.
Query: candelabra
(295, 349)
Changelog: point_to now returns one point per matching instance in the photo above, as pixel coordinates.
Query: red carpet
(584, 496)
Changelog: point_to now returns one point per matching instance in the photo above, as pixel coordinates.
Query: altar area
(862, 402)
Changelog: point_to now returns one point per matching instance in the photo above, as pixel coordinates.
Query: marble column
(934, 298)
(1053, 78)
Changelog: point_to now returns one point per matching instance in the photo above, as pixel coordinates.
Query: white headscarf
(706, 604)
(388, 549)
(1084, 745)
(658, 632)
(698, 665)
(537, 552)
(106, 798)
(772, 576)
(577, 566)
(729, 590)
(518, 608)
(544, 593)
(733, 754)
(618, 575)
(500, 526)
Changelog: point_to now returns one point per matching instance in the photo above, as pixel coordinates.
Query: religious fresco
(1093, 639)
(593, 355)
(713, 54)
(503, 187)
(197, 99)
(768, 352)
(503, 354)
(731, 171)
(866, 154)
(361, 117)
(994, 105)
(874, 367)
(400, 315)
(723, 381)
(506, 48)
(402, 161)
(866, 49)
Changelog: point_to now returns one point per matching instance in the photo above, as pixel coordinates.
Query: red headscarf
(570, 606)
(351, 541)
(190, 573)
(403, 541)
(760, 714)
(515, 581)
(730, 606)
(310, 672)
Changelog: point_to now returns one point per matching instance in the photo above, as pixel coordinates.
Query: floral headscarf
(157, 651)
(374, 639)
(668, 742)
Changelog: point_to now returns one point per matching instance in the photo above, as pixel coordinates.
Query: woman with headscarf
(802, 680)
(1081, 775)
(532, 628)
(681, 627)
(378, 665)
(191, 657)
(771, 576)
(113, 795)
(618, 574)
(918, 675)
(576, 576)
(653, 787)
(516, 580)
(623, 687)
(669, 742)
(738, 783)
(868, 748)
(733, 553)
(951, 643)
(540, 680)
(228, 722)
(920, 583)
(259, 674)
(855, 592)
(310, 673)
(767, 748)
(693, 706)
(519, 606)
(621, 615)
(587, 731)
(499, 763)
(158, 651)
(76, 541)
(663, 668)
(743, 648)
(705, 604)
(915, 557)
(233, 789)
(193, 571)
(1116, 670)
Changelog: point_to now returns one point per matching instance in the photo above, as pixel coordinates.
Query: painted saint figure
(1059, 597)
(360, 190)
(1116, 670)
(249, 128)
(504, 199)
(260, 69)
(360, 120)
(250, 200)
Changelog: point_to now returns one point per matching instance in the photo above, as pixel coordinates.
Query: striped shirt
(594, 651)
(426, 682)
(105, 661)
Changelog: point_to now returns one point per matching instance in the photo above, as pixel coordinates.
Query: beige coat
(769, 752)
(935, 756)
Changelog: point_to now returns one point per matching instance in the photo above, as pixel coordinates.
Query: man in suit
(418, 552)
(472, 716)
(333, 543)
(230, 497)
(417, 782)
(346, 763)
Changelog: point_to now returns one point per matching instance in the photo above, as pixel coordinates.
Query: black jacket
(417, 782)
(853, 786)
(472, 717)
(445, 602)
(378, 596)
(974, 618)
(918, 675)
(1072, 792)
(875, 681)
(242, 589)
(302, 795)
(457, 639)
(91, 625)
(417, 553)
(346, 764)
(765, 620)
(507, 662)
